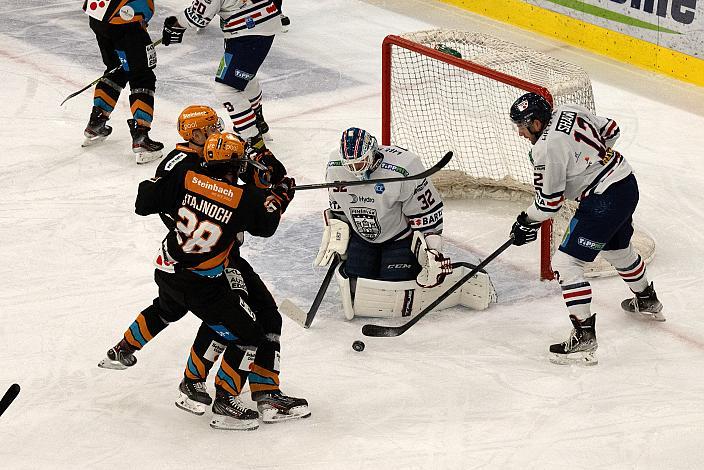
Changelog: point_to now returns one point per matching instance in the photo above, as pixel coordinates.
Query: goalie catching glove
(434, 265)
(336, 236)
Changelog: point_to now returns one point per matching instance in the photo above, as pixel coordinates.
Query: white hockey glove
(336, 236)
(434, 266)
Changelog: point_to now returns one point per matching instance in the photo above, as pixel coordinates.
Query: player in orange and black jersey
(205, 208)
(120, 28)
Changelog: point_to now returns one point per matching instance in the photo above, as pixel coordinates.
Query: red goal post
(452, 90)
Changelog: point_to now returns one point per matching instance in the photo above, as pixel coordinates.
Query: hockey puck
(358, 346)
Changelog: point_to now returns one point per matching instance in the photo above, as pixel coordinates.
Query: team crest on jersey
(366, 221)
(250, 22)
(379, 188)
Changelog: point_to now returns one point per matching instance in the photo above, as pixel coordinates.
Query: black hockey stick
(381, 330)
(341, 184)
(292, 311)
(76, 93)
(9, 397)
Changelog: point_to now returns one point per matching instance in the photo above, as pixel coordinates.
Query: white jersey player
(395, 242)
(249, 27)
(573, 157)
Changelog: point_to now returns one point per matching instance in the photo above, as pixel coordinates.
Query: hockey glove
(281, 195)
(276, 170)
(173, 32)
(524, 230)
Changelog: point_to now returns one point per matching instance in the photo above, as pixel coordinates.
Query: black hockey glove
(276, 170)
(173, 32)
(524, 230)
(281, 195)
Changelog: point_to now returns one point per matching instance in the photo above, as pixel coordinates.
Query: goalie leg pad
(477, 293)
(384, 299)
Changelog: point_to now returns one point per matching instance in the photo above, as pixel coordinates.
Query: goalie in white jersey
(573, 158)
(393, 262)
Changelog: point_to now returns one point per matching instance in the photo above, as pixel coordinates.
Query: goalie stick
(304, 319)
(341, 184)
(381, 330)
(76, 93)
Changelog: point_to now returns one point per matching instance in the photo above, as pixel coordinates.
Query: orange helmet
(223, 147)
(197, 117)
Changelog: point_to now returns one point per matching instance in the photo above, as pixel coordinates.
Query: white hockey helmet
(358, 150)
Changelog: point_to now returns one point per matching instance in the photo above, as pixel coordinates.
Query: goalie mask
(222, 153)
(198, 117)
(359, 152)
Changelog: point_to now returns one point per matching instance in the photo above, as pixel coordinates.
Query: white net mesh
(436, 106)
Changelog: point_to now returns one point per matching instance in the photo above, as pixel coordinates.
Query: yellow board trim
(588, 36)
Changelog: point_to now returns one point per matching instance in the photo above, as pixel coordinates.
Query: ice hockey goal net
(451, 90)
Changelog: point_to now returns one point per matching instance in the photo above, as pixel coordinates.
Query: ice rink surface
(460, 390)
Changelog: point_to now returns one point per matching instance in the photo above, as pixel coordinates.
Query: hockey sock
(630, 267)
(230, 377)
(106, 95)
(205, 351)
(145, 327)
(578, 298)
(264, 371)
(244, 121)
(142, 106)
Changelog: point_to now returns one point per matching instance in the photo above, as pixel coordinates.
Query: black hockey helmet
(530, 106)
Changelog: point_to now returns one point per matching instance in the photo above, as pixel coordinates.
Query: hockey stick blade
(389, 331)
(76, 93)
(9, 397)
(341, 184)
(296, 314)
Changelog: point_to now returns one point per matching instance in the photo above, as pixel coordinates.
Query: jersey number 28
(200, 236)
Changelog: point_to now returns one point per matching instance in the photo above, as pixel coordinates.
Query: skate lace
(237, 404)
(199, 387)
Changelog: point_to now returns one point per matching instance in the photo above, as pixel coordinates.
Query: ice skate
(275, 407)
(193, 396)
(580, 346)
(230, 413)
(97, 129)
(645, 303)
(120, 357)
(146, 149)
